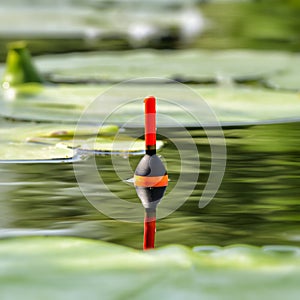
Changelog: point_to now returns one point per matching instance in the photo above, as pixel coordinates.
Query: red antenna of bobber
(150, 177)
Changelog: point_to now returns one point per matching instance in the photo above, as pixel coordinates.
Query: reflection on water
(257, 203)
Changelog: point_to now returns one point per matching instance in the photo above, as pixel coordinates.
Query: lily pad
(50, 143)
(51, 104)
(73, 267)
(182, 65)
(113, 146)
(288, 79)
(241, 106)
(31, 153)
(233, 106)
(14, 147)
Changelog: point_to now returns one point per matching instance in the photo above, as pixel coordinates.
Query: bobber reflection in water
(150, 177)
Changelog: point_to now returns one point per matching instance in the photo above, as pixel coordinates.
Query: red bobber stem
(149, 229)
(150, 176)
(150, 125)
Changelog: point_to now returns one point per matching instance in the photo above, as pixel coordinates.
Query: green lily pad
(23, 132)
(87, 139)
(184, 65)
(287, 79)
(104, 145)
(31, 153)
(15, 148)
(233, 106)
(50, 143)
(51, 104)
(252, 106)
(68, 132)
(73, 267)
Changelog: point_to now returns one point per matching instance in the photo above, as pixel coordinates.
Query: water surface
(257, 203)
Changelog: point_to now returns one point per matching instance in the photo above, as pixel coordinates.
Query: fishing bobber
(150, 177)
(150, 180)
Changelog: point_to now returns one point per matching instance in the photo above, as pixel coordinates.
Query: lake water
(257, 202)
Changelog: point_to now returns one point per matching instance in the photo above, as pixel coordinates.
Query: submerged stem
(149, 228)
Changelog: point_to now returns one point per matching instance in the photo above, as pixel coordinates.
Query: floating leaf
(27, 142)
(34, 153)
(233, 106)
(54, 103)
(15, 148)
(87, 139)
(252, 106)
(73, 267)
(183, 65)
(22, 132)
(287, 79)
(125, 144)
(70, 132)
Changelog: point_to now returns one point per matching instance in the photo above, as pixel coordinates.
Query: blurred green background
(74, 25)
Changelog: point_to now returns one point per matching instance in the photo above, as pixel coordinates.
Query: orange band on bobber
(148, 181)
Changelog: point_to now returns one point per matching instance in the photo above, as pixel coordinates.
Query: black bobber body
(151, 180)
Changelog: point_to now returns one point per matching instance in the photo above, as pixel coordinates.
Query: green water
(257, 202)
